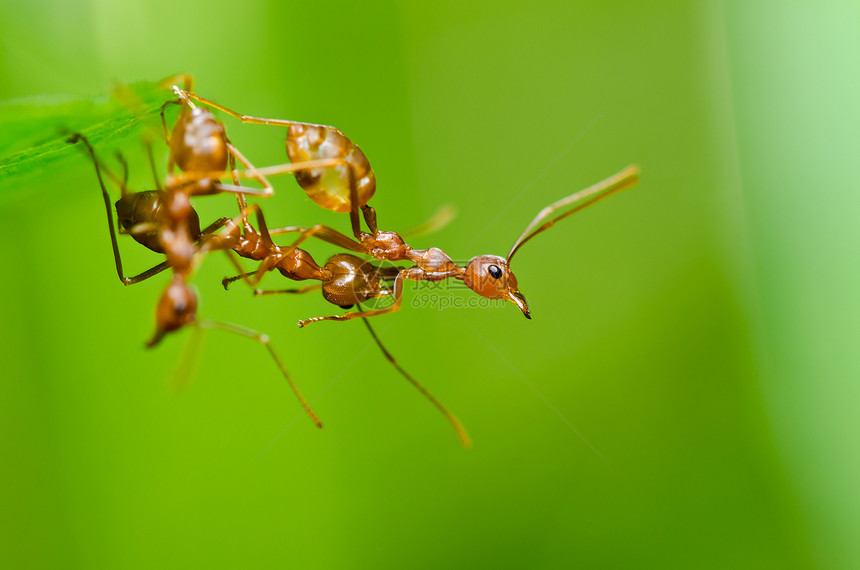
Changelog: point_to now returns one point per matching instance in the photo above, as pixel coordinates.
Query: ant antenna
(623, 180)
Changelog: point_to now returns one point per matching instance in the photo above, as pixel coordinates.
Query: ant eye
(495, 272)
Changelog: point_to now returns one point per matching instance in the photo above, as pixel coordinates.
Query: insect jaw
(520, 301)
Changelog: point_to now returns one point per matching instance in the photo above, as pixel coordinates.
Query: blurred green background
(685, 396)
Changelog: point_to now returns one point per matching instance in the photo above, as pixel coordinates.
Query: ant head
(176, 308)
(490, 276)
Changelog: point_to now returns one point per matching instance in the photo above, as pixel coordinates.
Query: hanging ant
(164, 221)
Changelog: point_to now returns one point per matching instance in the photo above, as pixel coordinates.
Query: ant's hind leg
(298, 291)
(452, 419)
(117, 259)
(152, 271)
(264, 340)
(227, 280)
(398, 297)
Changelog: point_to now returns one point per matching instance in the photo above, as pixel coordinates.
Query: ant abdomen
(329, 187)
(199, 142)
(352, 280)
(140, 214)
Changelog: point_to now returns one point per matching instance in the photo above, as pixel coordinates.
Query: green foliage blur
(685, 396)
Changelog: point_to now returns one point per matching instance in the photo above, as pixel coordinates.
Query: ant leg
(227, 280)
(452, 419)
(246, 277)
(123, 186)
(241, 201)
(437, 221)
(185, 94)
(398, 297)
(215, 226)
(184, 178)
(290, 167)
(325, 234)
(152, 167)
(264, 340)
(146, 274)
(280, 253)
(166, 131)
(214, 243)
(267, 191)
(299, 291)
(353, 205)
(116, 255)
(271, 261)
(368, 211)
(206, 234)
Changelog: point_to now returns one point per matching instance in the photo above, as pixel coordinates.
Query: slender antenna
(458, 427)
(623, 180)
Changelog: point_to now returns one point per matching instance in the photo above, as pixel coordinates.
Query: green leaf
(33, 130)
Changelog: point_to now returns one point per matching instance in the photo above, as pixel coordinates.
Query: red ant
(350, 183)
(348, 280)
